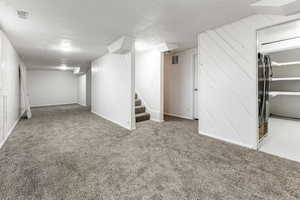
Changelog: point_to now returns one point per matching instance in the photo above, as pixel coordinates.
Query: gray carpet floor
(66, 152)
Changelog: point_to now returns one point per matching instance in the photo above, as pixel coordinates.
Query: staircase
(140, 111)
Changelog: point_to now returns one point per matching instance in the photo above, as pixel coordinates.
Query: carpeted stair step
(138, 102)
(142, 117)
(140, 109)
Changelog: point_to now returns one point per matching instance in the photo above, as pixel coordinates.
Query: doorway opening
(196, 86)
(181, 84)
(279, 90)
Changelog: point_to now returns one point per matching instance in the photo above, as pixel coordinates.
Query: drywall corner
(113, 88)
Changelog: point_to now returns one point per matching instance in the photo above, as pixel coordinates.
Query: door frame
(259, 142)
(195, 62)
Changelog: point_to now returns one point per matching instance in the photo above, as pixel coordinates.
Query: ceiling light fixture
(63, 67)
(65, 46)
(76, 70)
(23, 14)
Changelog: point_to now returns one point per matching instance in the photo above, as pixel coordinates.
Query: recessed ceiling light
(23, 14)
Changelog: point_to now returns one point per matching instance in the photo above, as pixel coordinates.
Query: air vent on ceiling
(175, 60)
(23, 14)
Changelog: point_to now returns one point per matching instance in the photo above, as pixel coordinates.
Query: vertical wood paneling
(1, 119)
(9, 88)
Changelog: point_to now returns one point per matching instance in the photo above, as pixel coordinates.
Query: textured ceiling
(89, 26)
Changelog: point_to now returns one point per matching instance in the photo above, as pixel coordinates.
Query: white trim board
(47, 105)
(11, 130)
(159, 121)
(154, 115)
(179, 116)
(226, 140)
(106, 118)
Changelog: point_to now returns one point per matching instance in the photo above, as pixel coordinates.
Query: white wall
(113, 88)
(227, 93)
(82, 90)
(10, 102)
(179, 84)
(46, 87)
(149, 81)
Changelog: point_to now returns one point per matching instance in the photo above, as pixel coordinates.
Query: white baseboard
(107, 118)
(46, 105)
(157, 120)
(226, 140)
(155, 115)
(10, 131)
(179, 116)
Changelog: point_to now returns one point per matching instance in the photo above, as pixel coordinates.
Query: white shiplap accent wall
(10, 104)
(227, 80)
(113, 88)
